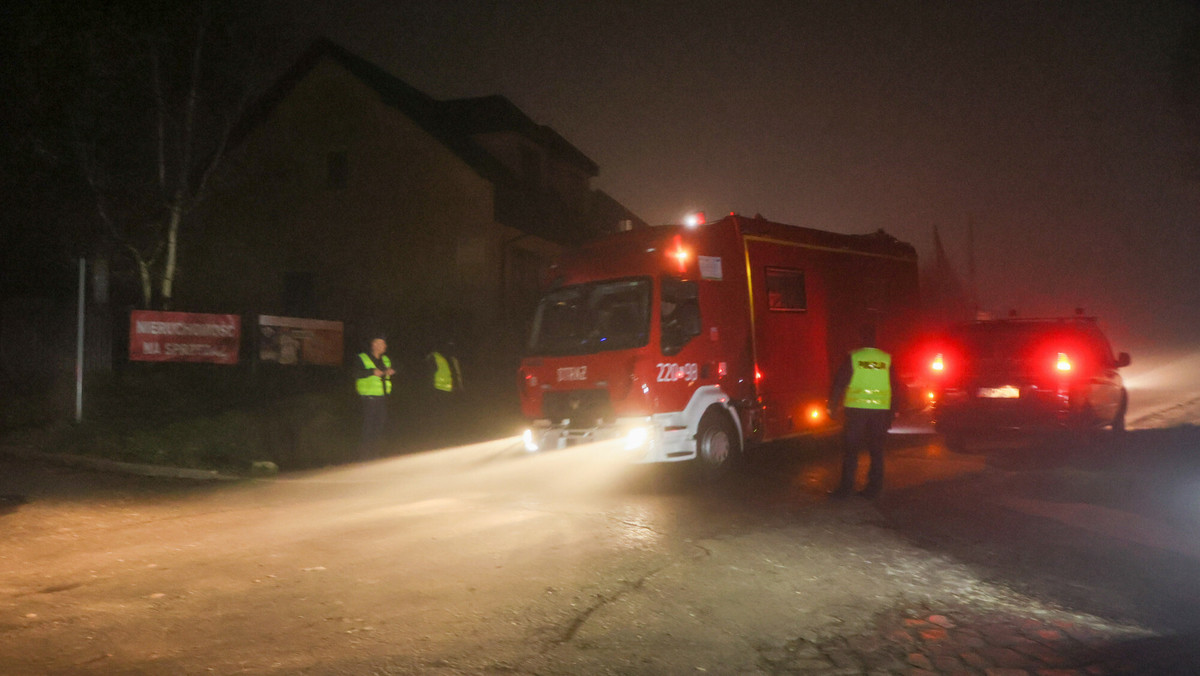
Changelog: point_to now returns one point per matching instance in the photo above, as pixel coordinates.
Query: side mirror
(1123, 360)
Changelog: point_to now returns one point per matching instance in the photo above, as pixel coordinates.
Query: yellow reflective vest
(870, 384)
(372, 385)
(445, 371)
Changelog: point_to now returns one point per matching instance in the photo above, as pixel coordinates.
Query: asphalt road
(482, 559)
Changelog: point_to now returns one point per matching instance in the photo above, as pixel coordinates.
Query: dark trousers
(864, 428)
(441, 419)
(374, 422)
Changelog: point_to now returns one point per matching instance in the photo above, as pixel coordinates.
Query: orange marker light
(679, 253)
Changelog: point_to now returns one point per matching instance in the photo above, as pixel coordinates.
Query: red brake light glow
(1063, 365)
(938, 364)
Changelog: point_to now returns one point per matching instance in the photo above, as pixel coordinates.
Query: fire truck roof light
(679, 253)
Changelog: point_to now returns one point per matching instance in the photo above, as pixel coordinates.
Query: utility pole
(79, 317)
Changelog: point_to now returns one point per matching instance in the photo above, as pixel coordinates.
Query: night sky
(1048, 125)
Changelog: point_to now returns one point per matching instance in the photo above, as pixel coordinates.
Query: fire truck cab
(698, 342)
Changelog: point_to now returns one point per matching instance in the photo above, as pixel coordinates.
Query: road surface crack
(601, 600)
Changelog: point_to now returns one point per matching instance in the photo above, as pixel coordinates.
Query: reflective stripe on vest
(869, 386)
(373, 385)
(443, 378)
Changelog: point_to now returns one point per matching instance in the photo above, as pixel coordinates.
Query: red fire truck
(697, 342)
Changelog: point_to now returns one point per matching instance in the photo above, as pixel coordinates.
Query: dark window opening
(679, 314)
(785, 290)
(526, 275)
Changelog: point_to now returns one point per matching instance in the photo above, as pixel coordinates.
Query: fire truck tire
(717, 444)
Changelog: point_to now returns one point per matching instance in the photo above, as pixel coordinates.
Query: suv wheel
(1118, 423)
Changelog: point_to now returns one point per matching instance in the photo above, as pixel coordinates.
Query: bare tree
(139, 98)
(187, 123)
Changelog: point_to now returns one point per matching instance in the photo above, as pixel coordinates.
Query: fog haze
(1049, 129)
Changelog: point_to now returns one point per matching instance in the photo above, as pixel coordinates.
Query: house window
(785, 290)
(337, 169)
(528, 268)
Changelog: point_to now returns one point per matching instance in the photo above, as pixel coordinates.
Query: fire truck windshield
(595, 317)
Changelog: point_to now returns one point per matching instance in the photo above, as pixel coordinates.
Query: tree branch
(156, 83)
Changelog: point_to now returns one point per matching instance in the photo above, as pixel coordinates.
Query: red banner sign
(184, 336)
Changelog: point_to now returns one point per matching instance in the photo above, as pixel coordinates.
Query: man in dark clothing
(373, 380)
(867, 388)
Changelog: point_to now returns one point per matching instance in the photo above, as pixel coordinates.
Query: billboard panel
(292, 340)
(184, 336)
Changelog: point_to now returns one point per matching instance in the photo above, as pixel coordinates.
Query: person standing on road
(444, 376)
(867, 389)
(374, 384)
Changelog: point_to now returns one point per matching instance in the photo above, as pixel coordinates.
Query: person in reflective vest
(867, 389)
(445, 391)
(447, 374)
(374, 384)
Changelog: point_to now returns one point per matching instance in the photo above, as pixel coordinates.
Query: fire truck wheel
(717, 444)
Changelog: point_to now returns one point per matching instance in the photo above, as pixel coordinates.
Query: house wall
(338, 206)
(538, 168)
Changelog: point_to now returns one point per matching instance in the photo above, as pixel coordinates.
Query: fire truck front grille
(584, 408)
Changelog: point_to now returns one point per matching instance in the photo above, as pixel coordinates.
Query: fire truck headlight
(636, 437)
(530, 441)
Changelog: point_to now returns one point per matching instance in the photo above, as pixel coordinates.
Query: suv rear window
(1025, 340)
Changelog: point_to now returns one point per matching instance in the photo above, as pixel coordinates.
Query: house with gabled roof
(347, 194)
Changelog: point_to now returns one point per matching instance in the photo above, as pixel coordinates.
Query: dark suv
(1029, 375)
